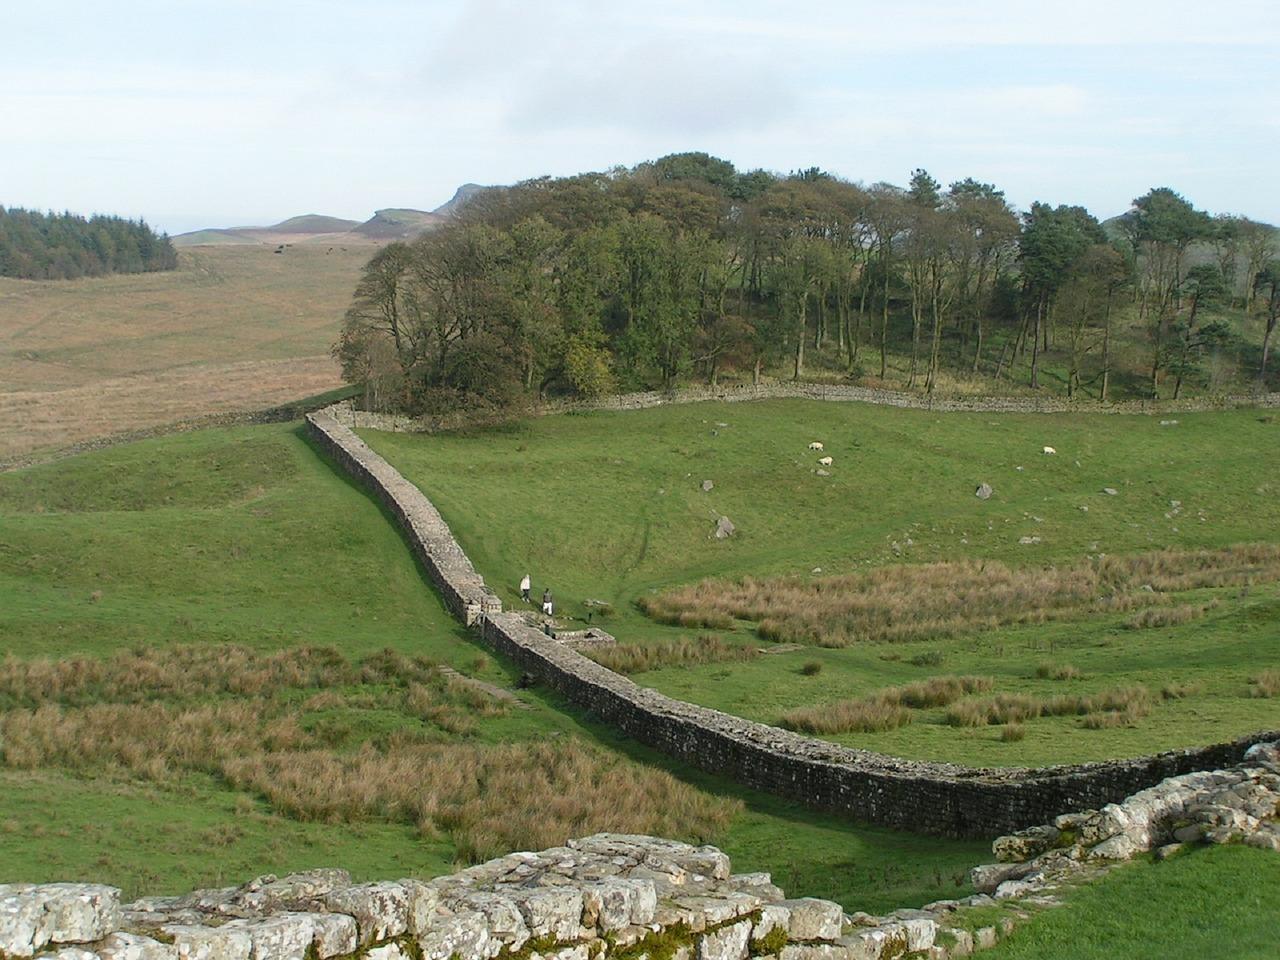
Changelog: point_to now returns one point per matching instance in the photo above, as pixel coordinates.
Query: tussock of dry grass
(1130, 702)
(1265, 684)
(639, 657)
(238, 715)
(1058, 671)
(930, 601)
(1168, 616)
(884, 710)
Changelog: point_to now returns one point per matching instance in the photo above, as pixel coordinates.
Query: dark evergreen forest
(65, 246)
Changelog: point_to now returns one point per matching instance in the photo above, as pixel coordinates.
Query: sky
(198, 113)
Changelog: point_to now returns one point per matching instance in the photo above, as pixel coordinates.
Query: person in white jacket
(525, 586)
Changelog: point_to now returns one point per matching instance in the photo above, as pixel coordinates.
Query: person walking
(547, 606)
(525, 585)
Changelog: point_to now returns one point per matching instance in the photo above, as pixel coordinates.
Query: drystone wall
(399, 423)
(622, 897)
(936, 798)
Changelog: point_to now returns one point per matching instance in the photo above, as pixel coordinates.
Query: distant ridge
(390, 223)
(460, 198)
(396, 223)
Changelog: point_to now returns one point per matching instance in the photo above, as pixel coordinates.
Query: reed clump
(907, 602)
(293, 728)
(639, 657)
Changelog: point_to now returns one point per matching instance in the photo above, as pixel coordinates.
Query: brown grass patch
(1133, 702)
(286, 726)
(232, 329)
(1168, 616)
(639, 657)
(1058, 671)
(937, 600)
(884, 710)
(1265, 684)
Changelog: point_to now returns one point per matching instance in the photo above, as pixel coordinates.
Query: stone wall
(400, 423)
(936, 798)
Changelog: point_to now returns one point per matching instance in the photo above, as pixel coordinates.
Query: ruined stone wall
(930, 797)
(400, 423)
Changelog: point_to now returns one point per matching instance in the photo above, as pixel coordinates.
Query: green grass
(247, 535)
(1215, 902)
(607, 506)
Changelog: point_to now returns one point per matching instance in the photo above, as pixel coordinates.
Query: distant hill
(313, 223)
(212, 236)
(397, 224)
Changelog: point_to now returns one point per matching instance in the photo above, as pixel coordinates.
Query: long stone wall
(936, 798)
(783, 389)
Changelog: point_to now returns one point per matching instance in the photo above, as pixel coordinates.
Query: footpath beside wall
(936, 798)
(783, 389)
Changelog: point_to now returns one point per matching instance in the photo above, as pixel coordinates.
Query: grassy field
(609, 506)
(168, 548)
(233, 328)
(1217, 902)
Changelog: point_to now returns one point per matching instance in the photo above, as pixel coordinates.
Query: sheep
(816, 445)
(825, 461)
(1049, 450)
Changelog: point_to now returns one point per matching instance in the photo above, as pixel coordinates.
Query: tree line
(65, 246)
(685, 267)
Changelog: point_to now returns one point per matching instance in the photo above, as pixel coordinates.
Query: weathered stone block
(814, 919)
(381, 909)
(35, 915)
(1025, 844)
(209, 943)
(465, 935)
(128, 946)
(551, 911)
(727, 943)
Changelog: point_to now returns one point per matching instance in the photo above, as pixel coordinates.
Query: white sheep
(825, 461)
(816, 445)
(1049, 450)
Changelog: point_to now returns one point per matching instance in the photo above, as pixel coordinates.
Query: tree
(1162, 225)
(1205, 286)
(1267, 281)
(1053, 241)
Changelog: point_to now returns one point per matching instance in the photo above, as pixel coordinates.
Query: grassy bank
(609, 507)
(246, 543)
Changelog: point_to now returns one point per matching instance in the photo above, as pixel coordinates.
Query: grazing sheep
(825, 461)
(1050, 450)
(816, 445)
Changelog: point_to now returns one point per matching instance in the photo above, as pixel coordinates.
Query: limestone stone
(381, 909)
(34, 915)
(814, 951)
(813, 919)
(984, 491)
(616, 903)
(551, 911)
(707, 486)
(1115, 848)
(962, 941)
(71, 953)
(288, 936)
(209, 943)
(724, 528)
(986, 878)
(727, 943)
(388, 951)
(463, 934)
(1025, 844)
(984, 938)
(128, 946)
(773, 916)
